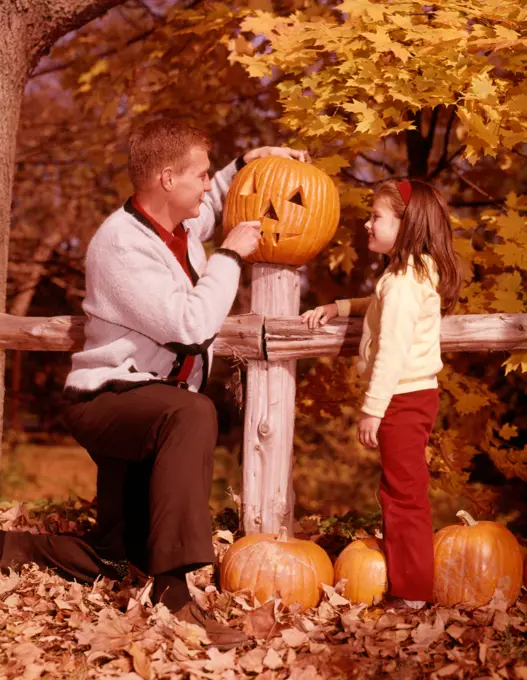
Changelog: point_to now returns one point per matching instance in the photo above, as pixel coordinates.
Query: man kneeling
(133, 398)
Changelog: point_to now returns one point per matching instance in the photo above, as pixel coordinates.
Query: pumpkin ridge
(498, 571)
(247, 553)
(321, 190)
(311, 577)
(450, 586)
(467, 587)
(263, 563)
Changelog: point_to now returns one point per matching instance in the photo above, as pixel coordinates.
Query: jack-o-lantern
(297, 204)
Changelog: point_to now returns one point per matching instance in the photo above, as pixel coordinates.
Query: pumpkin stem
(466, 518)
(282, 534)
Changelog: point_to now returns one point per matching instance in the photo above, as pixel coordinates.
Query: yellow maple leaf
(358, 8)
(256, 67)
(471, 403)
(381, 40)
(517, 360)
(261, 23)
(512, 226)
(332, 164)
(482, 87)
(100, 66)
(508, 431)
(505, 33)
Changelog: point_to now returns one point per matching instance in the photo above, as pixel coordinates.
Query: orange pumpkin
(363, 564)
(269, 565)
(474, 561)
(297, 203)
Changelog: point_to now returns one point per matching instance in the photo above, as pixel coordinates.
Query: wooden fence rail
(256, 337)
(271, 343)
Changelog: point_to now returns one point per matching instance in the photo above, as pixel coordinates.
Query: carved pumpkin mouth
(271, 214)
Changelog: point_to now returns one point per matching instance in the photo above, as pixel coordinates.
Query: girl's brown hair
(425, 230)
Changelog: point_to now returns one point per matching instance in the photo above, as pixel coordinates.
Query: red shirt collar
(164, 233)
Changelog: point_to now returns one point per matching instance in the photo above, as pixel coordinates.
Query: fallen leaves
(53, 628)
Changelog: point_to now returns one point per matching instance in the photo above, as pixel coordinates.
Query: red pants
(408, 538)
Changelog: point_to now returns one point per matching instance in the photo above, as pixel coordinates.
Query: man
(133, 397)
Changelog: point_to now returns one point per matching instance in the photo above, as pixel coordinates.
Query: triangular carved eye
(249, 185)
(297, 198)
(270, 213)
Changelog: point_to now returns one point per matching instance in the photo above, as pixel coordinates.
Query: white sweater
(141, 306)
(399, 349)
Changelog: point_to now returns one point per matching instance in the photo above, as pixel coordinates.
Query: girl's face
(382, 227)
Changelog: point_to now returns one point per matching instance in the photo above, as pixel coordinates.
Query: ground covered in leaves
(50, 628)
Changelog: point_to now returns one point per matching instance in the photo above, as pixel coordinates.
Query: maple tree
(351, 81)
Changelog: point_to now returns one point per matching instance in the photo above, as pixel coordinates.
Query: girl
(399, 360)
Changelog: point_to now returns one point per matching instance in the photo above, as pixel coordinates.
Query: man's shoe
(220, 636)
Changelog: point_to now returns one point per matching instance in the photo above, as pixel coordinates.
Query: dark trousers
(153, 446)
(408, 536)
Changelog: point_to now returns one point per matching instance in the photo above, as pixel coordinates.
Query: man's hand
(284, 151)
(367, 428)
(244, 238)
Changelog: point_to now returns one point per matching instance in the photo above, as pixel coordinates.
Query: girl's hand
(367, 428)
(320, 315)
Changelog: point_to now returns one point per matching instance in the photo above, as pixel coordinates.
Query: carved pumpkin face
(297, 204)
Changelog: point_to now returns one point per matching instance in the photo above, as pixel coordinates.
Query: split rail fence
(271, 339)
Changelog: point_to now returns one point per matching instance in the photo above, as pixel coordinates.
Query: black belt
(75, 396)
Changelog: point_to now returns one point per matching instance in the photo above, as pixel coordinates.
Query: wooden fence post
(267, 496)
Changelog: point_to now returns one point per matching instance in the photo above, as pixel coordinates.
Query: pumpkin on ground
(475, 562)
(269, 565)
(364, 565)
(297, 204)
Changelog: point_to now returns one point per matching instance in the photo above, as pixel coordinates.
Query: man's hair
(159, 143)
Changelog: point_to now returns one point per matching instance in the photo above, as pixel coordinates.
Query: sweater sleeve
(212, 206)
(401, 298)
(139, 292)
(353, 306)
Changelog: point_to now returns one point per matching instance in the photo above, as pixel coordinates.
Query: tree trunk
(29, 29)
(20, 307)
(268, 497)
(13, 74)
(419, 145)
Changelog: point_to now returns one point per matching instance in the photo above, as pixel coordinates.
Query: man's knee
(197, 414)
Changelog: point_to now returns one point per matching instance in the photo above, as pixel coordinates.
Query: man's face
(190, 185)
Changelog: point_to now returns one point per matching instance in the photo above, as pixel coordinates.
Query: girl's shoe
(402, 605)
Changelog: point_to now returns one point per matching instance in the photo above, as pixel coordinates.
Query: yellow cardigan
(399, 349)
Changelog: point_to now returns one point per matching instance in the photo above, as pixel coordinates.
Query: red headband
(405, 189)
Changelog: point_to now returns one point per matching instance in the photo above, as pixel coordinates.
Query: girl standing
(400, 359)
